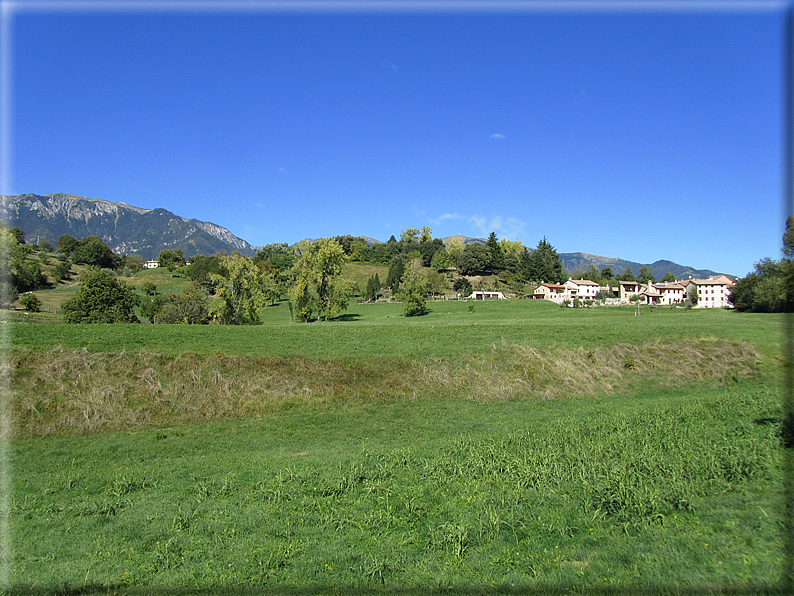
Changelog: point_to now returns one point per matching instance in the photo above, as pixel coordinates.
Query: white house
(150, 264)
(711, 293)
(583, 289)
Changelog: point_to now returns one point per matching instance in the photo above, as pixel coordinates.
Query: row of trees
(474, 258)
(309, 273)
(770, 286)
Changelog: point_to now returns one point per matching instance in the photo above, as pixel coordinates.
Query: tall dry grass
(74, 391)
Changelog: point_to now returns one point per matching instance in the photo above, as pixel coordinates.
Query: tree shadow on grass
(346, 317)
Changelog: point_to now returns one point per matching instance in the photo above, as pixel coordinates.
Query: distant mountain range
(127, 230)
(124, 228)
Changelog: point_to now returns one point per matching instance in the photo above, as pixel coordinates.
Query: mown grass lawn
(661, 484)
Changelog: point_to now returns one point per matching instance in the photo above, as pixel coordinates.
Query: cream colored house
(151, 264)
(671, 292)
(583, 289)
(649, 294)
(711, 293)
(626, 289)
(554, 292)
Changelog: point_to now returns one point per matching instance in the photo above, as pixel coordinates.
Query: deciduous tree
(66, 244)
(627, 275)
(92, 250)
(188, 307)
(455, 248)
(646, 275)
(474, 259)
(101, 298)
(463, 286)
(170, 258)
(238, 285)
(413, 290)
(316, 271)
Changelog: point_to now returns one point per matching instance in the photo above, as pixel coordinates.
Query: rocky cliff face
(125, 228)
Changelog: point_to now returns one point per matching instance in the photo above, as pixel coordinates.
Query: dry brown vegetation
(74, 391)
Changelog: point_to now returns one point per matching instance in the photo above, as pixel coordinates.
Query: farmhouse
(711, 293)
(584, 289)
(627, 289)
(555, 292)
(671, 292)
(151, 264)
(650, 295)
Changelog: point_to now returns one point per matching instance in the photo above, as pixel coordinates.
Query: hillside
(581, 261)
(126, 229)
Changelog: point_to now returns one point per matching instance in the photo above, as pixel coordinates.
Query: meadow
(520, 447)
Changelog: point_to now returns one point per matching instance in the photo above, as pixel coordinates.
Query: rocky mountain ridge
(126, 229)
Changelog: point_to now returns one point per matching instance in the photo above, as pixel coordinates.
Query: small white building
(481, 295)
(151, 264)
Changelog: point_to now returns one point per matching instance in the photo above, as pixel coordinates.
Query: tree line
(770, 286)
(231, 289)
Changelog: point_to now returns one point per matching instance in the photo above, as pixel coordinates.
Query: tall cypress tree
(497, 258)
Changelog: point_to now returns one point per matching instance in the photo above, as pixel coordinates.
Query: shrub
(191, 307)
(414, 303)
(30, 302)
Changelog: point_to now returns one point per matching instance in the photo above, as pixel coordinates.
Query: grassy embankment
(477, 452)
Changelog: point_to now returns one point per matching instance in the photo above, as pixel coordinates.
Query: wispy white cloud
(505, 227)
(445, 217)
(496, 135)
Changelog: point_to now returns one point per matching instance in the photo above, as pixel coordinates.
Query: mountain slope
(126, 229)
(581, 261)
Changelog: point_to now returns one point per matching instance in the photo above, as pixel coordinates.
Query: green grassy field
(462, 452)
(367, 330)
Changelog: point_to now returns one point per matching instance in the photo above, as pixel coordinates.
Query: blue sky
(637, 133)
